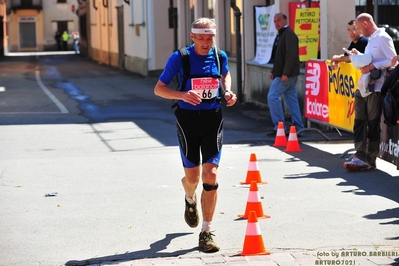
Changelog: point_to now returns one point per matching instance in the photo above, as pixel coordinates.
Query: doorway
(27, 35)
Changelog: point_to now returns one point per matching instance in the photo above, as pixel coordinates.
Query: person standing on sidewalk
(284, 75)
(368, 104)
(76, 37)
(65, 39)
(199, 121)
(57, 38)
(359, 42)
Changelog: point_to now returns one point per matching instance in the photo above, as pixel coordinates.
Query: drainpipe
(173, 17)
(237, 15)
(106, 13)
(4, 27)
(375, 12)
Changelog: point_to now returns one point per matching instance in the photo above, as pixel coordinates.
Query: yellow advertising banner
(338, 110)
(308, 47)
(341, 95)
(307, 20)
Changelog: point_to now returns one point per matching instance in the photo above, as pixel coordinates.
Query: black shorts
(200, 135)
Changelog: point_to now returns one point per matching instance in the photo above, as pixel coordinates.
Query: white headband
(203, 31)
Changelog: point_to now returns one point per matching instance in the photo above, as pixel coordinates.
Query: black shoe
(272, 133)
(191, 214)
(206, 243)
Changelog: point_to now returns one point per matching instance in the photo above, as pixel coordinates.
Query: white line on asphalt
(28, 113)
(49, 94)
(39, 53)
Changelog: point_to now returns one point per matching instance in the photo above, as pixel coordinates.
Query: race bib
(206, 87)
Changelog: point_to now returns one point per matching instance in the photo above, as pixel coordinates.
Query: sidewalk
(261, 122)
(363, 256)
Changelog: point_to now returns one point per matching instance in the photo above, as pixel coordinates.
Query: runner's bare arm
(226, 82)
(162, 90)
(230, 97)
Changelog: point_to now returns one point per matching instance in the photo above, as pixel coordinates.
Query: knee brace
(208, 187)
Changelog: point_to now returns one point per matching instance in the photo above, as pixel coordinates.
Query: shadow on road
(367, 183)
(153, 252)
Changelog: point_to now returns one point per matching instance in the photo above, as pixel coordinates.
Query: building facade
(32, 24)
(140, 35)
(3, 19)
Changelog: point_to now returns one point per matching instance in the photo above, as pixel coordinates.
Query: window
(209, 8)
(26, 3)
(131, 13)
(189, 19)
(231, 45)
(93, 13)
(105, 13)
(137, 10)
(110, 16)
(62, 26)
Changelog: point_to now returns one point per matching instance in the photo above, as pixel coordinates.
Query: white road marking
(49, 94)
(39, 53)
(29, 113)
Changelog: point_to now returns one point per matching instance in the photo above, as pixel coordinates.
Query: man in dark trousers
(57, 38)
(285, 72)
(368, 106)
(199, 121)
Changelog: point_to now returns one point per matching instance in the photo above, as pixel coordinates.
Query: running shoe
(191, 214)
(206, 243)
(356, 165)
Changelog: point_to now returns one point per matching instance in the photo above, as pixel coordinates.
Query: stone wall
(257, 84)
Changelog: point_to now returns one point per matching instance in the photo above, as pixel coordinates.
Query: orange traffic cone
(253, 173)
(281, 139)
(292, 143)
(253, 203)
(253, 242)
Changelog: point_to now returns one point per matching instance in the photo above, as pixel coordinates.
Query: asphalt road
(90, 172)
